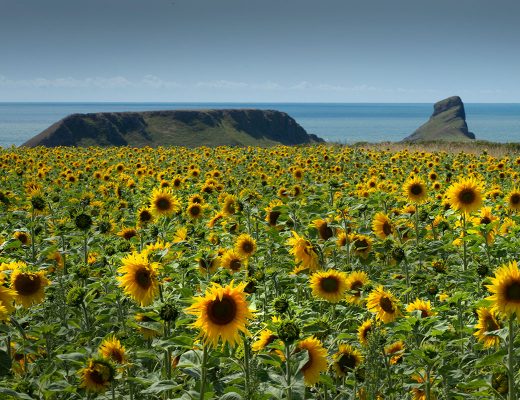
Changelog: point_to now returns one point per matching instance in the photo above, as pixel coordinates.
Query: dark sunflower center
(491, 325)
(143, 278)
(145, 216)
(485, 220)
(97, 377)
(273, 217)
(513, 291)
(195, 210)
(329, 284)
(416, 189)
(424, 313)
(163, 204)
(515, 199)
(347, 361)
(325, 232)
(129, 234)
(235, 265)
(247, 247)
(116, 355)
(361, 244)
(222, 312)
(387, 228)
(386, 304)
(356, 286)
(467, 196)
(27, 284)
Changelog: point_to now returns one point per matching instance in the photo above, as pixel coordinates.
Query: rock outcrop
(447, 123)
(190, 128)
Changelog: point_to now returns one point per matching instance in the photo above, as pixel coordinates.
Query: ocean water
(339, 122)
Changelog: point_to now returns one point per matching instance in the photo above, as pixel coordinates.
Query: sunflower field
(320, 272)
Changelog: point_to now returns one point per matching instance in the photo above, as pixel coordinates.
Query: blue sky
(259, 51)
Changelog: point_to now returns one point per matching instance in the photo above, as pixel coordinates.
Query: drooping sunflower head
(324, 230)
(465, 195)
(513, 200)
(222, 313)
(420, 305)
(346, 359)
(97, 375)
(163, 203)
(487, 322)
(29, 286)
(415, 190)
(139, 278)
(230, 205)
(356, 280)
(112, 349)
(329, 285)
(505, 287)
(382, 226)
(245, 245)
(384, 304)
(266, 338)
(317, 361)
(23, 237)
(127, 233)
(361, 245)
(364, 331)
(395, 352)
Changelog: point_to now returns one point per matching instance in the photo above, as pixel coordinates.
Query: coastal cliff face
(189, 128)
(447, 123)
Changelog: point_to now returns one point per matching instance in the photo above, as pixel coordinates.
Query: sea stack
(447, 123)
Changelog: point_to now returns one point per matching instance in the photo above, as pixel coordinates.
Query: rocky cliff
(447, 123)
(190, 128)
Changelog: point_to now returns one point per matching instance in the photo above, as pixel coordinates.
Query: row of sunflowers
(320, 272)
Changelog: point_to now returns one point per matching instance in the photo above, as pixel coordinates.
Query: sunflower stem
(464, 244)
(427, 384)
(85, 248)
(288, 370)
(33, 244)
(511, 358)
(246, 367)
(203, 372)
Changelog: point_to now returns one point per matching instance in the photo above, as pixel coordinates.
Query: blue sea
(338, 122)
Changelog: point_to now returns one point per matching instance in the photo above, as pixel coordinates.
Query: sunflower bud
(482, 270)
(124, 246)
(398, 254)
(288, 331)
(168, 312)
(281, 304)
(250, 287)
(38, 203)
(83, 221)
(75, 296)
(430, 351)
(499, 382)
(433, 289)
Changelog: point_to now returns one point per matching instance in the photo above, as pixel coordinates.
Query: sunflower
(303, 252)
(465, 195)
(97, 375)
(245, 245)
(230, 205)
(346, 359)
(487, 322)
(506, 289)
(317, 362)
(266, 338)
(232, 261)
(356, 280)
(363, 331)
(163, 203)
(144, 217)
(329, 285)
(382, 226)
(23, 237)
(7, 298)
(127, 233)
(195, 210)
(415, 190)
(29, 286)
(323, 228)
(420, 305)
(395, 352)
(222, 313)
(111, 349)
(361, 245)
(4, 313)
(139, 279)
(147, 326)
(384, 304)
(513, 200)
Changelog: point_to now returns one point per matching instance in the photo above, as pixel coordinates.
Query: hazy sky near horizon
(259, 51)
